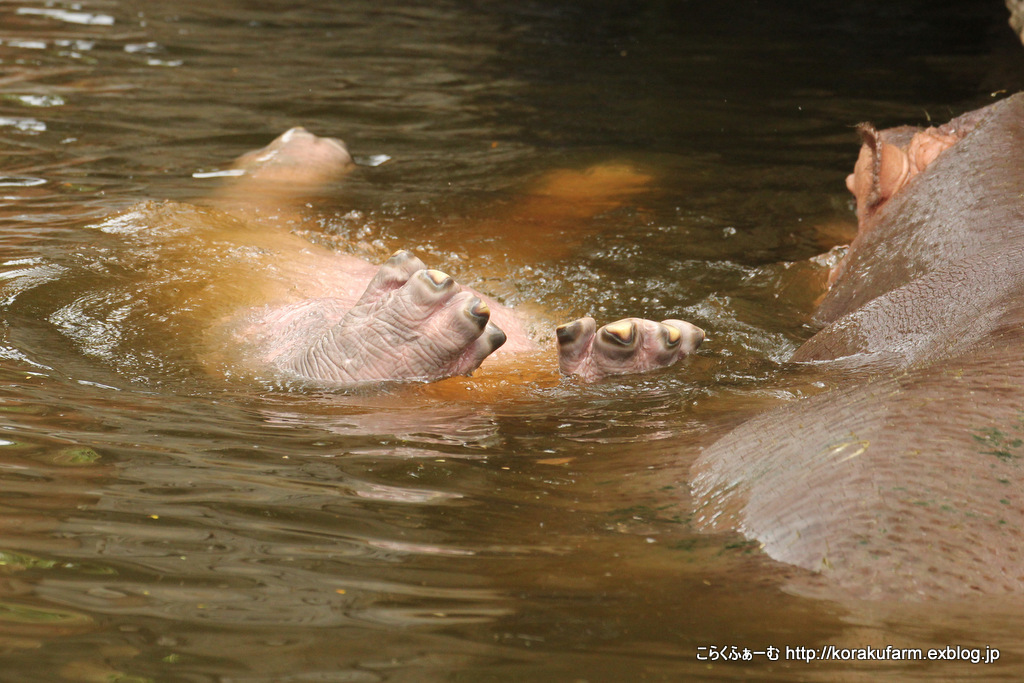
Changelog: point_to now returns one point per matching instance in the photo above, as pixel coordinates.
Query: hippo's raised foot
(627, 346)
(411, 324)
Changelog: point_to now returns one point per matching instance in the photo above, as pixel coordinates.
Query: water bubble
(38, 100)
(83, 18)
(227, 173)
(20, 181)
(372, 160)
(23, 124)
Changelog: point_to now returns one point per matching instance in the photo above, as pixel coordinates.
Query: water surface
(161, 524)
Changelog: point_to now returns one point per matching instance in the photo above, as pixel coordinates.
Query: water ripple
(68, 16)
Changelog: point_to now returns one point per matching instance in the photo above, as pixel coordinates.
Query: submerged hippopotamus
(906, 481)
(274, 305)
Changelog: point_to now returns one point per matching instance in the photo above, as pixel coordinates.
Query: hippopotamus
(906, 480)
(281, 308)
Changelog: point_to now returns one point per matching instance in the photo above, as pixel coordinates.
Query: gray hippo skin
(907, 481)
(356, 324)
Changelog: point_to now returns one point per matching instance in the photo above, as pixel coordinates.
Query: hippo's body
(908, 481)
(269, 304)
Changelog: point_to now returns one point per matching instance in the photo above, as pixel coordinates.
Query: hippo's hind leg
(627, 346)
(271, 185)
(411, 324)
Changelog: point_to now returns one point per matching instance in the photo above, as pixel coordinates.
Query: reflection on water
(160, 524)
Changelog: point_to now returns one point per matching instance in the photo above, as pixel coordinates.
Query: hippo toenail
(295, 132)
(479, 312)
(672, 336)
(622, 333)
(400, 256)
(495, 336)
(438, 279)
(569, 332)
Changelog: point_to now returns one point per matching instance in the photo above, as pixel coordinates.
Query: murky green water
(160, 524)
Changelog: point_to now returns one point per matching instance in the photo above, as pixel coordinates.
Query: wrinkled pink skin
(403, 321)
(907, 481)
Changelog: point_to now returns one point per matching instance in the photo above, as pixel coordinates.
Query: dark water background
(159, 525)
